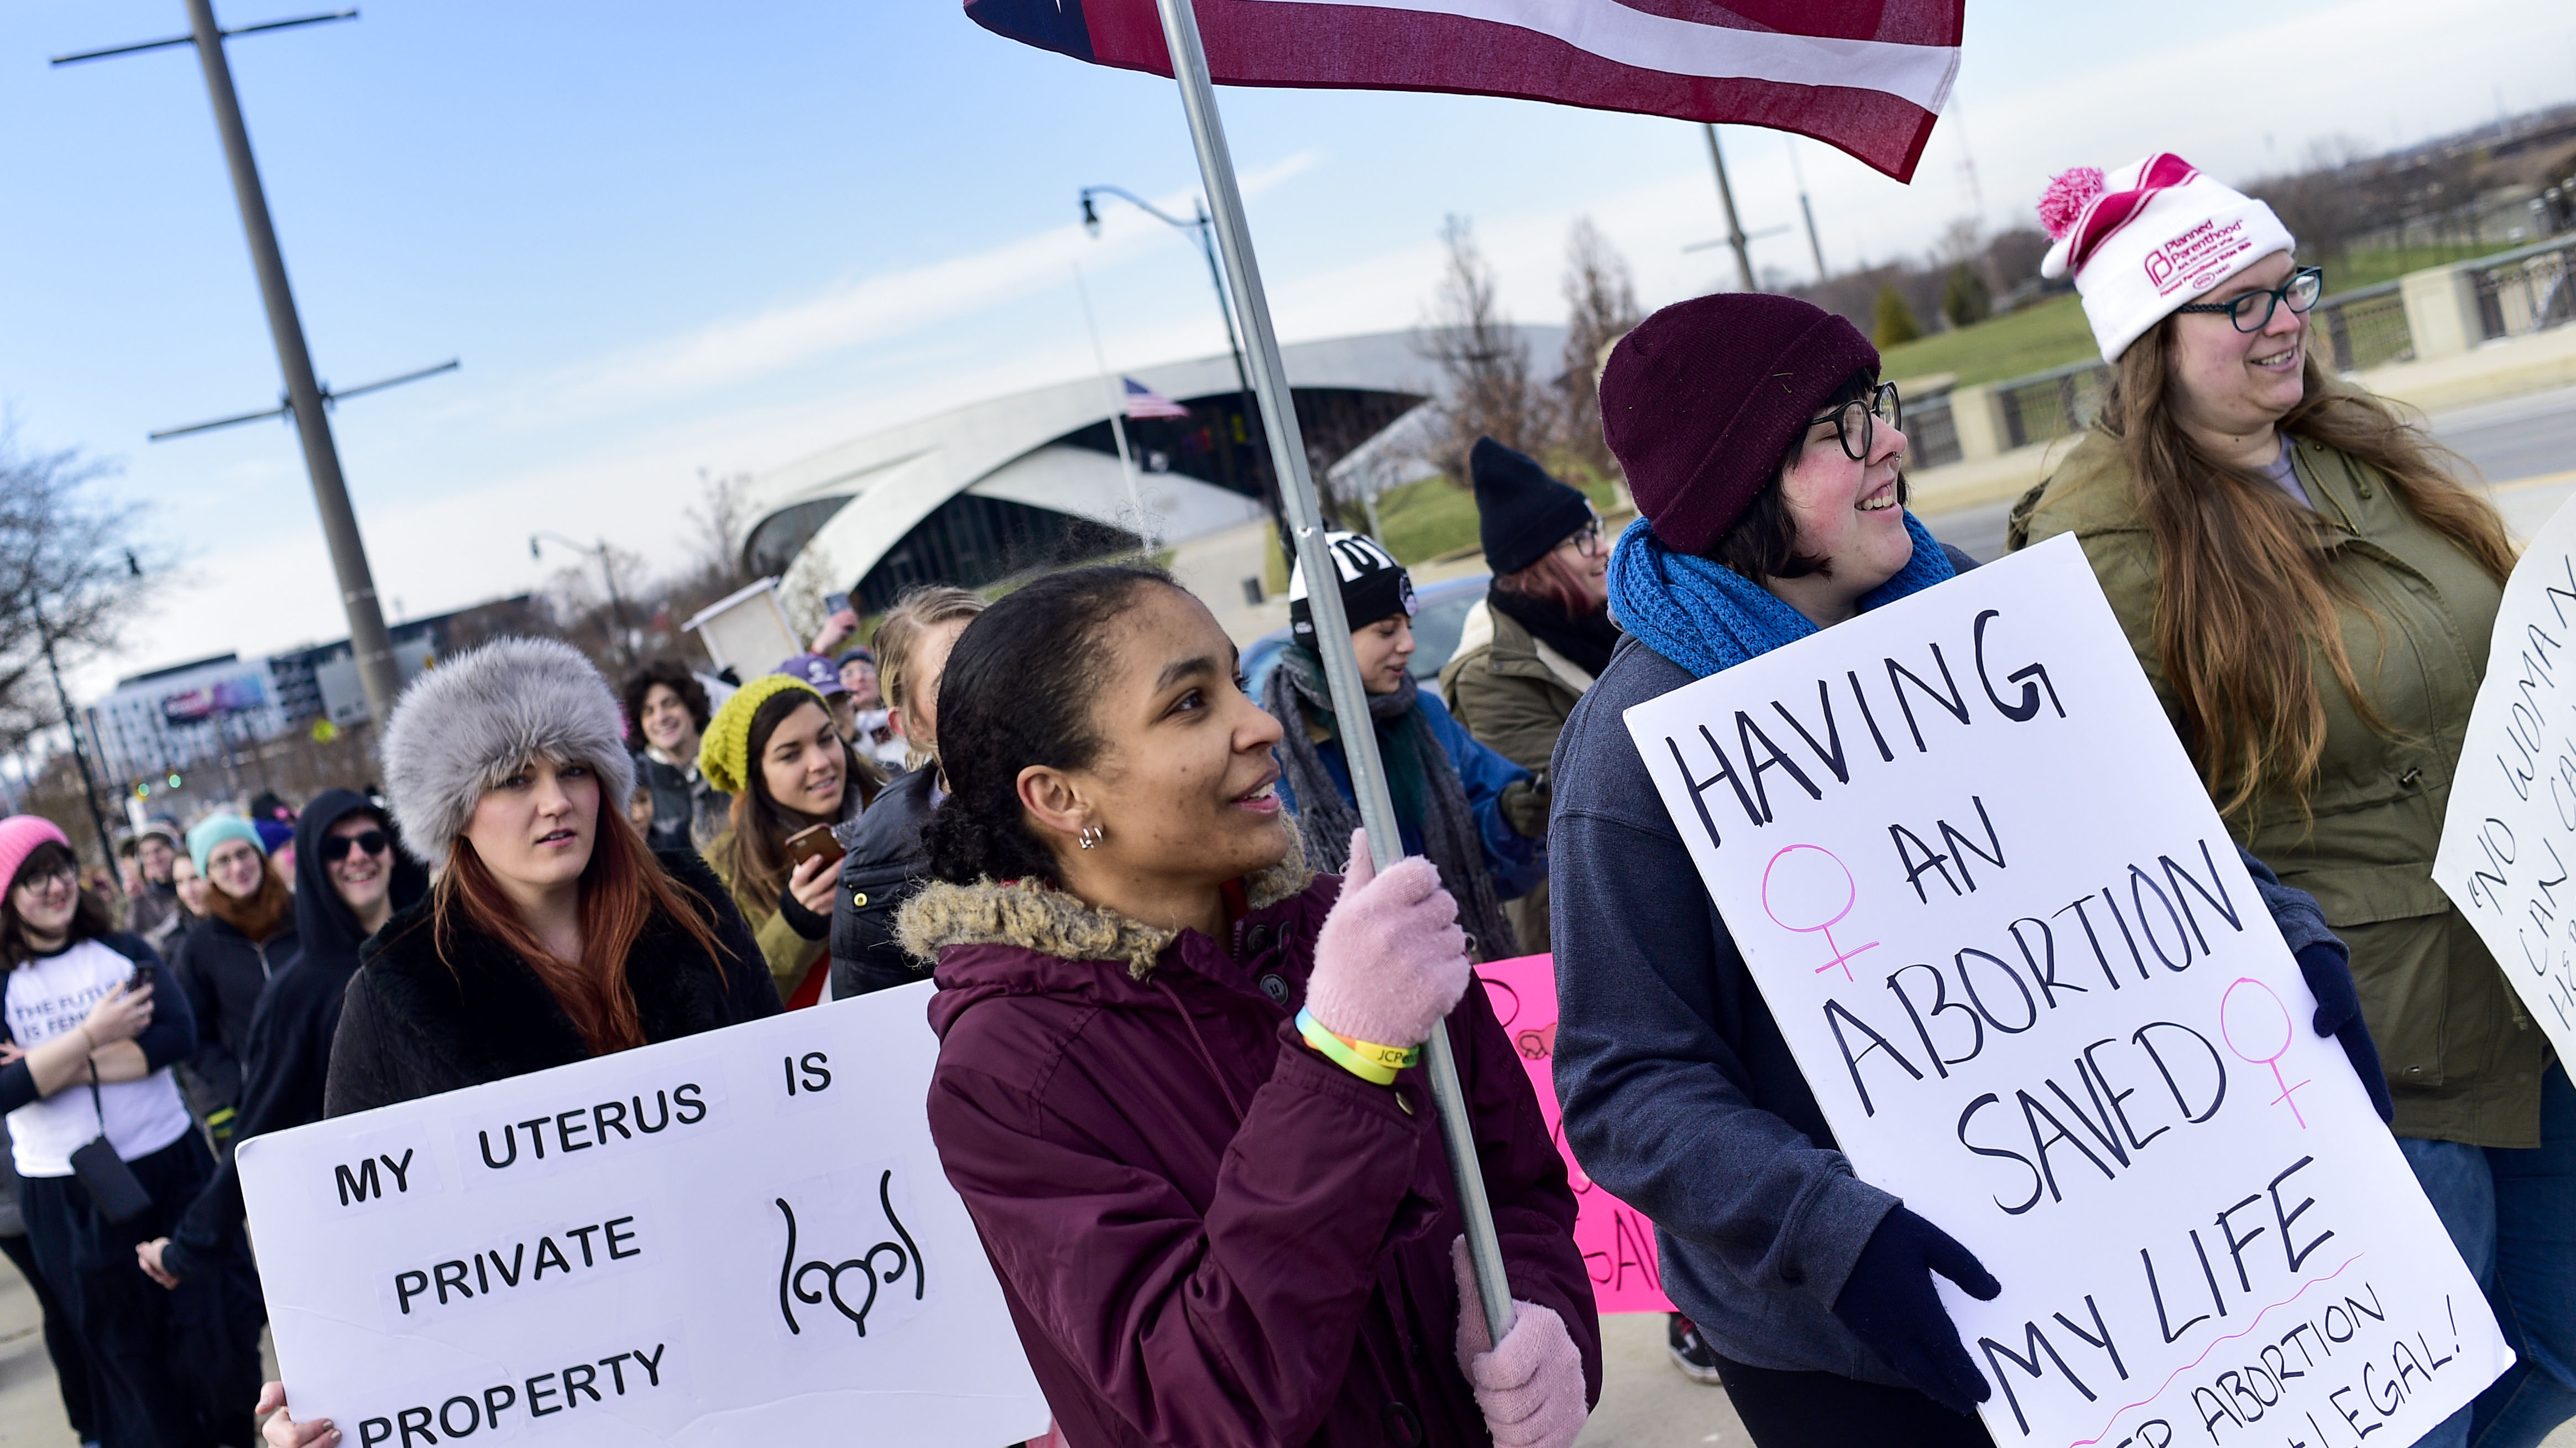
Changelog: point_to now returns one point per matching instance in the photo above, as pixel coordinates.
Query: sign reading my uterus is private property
(2034, 990)
(743, 1236)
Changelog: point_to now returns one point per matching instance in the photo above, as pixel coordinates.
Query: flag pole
(1332, 626)
(1117, 391)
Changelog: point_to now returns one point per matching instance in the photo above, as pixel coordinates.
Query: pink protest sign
(1616, 1240)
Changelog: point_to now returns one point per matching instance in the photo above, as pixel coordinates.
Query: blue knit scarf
(1706, 616)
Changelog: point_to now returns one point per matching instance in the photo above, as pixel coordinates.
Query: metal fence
(2365, 327)
(2527, 290)
(2052, 404)
(1931, 432)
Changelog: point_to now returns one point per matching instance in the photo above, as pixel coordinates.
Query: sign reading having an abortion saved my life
(738, 1237)
(2508, 855)
(2033, 988)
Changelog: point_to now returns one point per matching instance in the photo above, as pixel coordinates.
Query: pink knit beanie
(19, 836)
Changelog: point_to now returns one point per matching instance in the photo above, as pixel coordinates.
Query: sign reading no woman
(2509, 838)
(739, 1237)
(2038, 998)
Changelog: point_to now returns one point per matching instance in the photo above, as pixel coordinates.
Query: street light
(1199, 223)
(607, 570)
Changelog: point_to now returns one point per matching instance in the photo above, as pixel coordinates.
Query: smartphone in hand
(813, 842)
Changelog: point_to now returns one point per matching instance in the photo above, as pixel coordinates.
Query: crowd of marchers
(1179, 1007)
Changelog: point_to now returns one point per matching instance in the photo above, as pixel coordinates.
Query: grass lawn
(2055, 333)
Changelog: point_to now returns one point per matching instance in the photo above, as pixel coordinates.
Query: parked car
(1440, 612)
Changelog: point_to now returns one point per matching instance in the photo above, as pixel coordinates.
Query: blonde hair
(916, 612)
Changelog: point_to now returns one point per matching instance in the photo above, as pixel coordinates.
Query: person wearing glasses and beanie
(350, 879)
(1768, 462)
(2312, 592)
(85, 1052)
(1478, 817)
(1542, 633)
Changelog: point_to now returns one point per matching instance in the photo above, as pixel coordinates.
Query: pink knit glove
(1531, 1388)
(1390, 960)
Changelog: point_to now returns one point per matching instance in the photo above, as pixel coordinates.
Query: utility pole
(1735, 237)
(1800, 173)
(80, 757)
(304, 398)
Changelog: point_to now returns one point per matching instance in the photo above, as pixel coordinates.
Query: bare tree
(1480, 354)
(72, 571)
(1601, 307)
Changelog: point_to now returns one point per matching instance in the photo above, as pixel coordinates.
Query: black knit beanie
(1521, 512)
(1373, 585)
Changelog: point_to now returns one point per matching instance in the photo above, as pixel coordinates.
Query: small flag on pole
(1143, 401)
(1868, 79)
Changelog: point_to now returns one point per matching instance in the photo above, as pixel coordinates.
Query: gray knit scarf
(1420, 776)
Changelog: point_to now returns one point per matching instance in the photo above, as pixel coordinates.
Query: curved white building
(994, 488)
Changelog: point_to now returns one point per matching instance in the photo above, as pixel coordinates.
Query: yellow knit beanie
(724, 753)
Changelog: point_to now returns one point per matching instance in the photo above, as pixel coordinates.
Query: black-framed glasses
(64, 873)
(2252, 312)
(335, 848)
(1587, 539)
(1860, 418)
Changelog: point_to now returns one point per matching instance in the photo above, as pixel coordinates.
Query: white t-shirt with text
(48, 996)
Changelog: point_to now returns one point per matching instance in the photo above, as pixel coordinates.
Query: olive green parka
(2463, 1060)
(1513, 693)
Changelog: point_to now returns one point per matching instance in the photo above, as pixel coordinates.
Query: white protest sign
(737, 1237)
(2509, 835)
(2033, 989)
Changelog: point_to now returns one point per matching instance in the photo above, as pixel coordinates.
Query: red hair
(1554, 579)
(622, 888)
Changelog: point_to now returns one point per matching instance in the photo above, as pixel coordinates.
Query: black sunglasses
(2252, 312)
(1860, 417)
(335, 848)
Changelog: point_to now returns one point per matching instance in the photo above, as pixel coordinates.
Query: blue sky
(670, 237)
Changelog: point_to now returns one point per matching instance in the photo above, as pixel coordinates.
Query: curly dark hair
(673, 675)
(1019, 691)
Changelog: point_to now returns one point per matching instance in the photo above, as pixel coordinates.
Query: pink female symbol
(1809, 893)
(2257, 1023)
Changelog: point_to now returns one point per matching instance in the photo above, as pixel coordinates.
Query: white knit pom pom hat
(2148, 238)
(478, 717)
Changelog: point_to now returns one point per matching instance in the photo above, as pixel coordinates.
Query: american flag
(1143, 401)
(1866, 76)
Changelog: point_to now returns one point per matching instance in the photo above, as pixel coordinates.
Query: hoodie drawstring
(1205, 1055)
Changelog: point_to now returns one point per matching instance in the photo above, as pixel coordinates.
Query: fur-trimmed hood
(472, 721)
(1036, 916)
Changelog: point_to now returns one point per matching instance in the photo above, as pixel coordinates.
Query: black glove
(1888, 1302)
(2339, 1015)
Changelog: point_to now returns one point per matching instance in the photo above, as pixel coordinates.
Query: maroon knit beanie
(1701, 401)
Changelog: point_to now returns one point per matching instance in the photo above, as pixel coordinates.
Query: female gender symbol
(1804, 893)
(2258, 1025)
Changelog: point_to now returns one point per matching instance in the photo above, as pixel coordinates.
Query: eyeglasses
(335, 848)
(2252, 312)
(62, 874)
(1861, 417)
(1587, 539)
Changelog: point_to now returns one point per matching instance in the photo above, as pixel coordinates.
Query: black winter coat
(290, 1032)
(224, 972)
(414, 1025)
(884, 868)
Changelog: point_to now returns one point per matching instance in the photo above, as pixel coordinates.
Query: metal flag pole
(1117, 391)
(1332, 626)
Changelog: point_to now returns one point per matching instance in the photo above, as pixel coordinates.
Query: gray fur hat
(472, 721)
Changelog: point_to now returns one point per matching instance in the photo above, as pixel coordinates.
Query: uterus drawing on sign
(858, 1287)
(2250, 1017)
(1808, 890)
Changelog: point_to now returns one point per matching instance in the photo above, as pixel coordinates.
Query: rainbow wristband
(1365, 1059)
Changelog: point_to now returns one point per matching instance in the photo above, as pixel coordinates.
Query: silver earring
(1090, 837)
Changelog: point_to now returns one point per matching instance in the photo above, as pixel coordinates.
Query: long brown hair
(622, 889)
(756, 854)
(2244, 583)
(264, 914)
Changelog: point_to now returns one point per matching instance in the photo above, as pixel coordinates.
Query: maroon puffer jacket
(1209, 1234)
